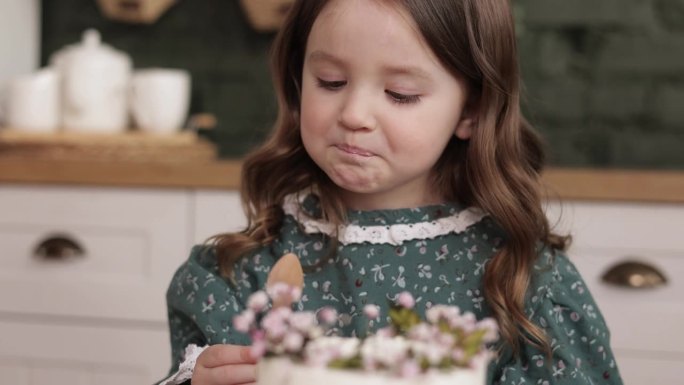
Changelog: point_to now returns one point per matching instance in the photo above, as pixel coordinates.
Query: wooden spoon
(287, 270)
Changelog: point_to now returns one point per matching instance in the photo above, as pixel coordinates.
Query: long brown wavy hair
(497, 169)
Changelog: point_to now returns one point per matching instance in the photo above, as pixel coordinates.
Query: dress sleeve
(201, 305)
(560, 303)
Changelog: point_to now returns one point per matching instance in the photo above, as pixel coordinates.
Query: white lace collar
(394, 234)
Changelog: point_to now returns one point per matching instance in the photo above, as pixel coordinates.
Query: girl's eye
(331, 85)
(401, 98)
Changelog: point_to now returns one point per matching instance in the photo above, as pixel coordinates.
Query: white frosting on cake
(283, 371)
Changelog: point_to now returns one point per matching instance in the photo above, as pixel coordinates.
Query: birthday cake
(448, 347)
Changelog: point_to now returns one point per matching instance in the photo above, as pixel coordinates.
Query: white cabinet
(52, 351)
(646, 324)
(217, 212)
(98, 317)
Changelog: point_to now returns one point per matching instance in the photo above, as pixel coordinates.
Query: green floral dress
(438, 253)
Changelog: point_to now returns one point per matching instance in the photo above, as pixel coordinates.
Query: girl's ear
(464, 128)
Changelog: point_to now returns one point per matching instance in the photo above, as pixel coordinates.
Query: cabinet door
(645, 324)
(637, 369)
(132, 241)
(35, 353)
(14, 372)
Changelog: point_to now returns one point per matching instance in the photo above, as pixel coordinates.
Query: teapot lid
(91, 38)
(91, 44)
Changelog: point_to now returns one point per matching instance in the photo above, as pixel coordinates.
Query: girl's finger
(220, 355)
(234, 374)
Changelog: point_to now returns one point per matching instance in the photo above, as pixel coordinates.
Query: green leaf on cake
(403, 319)
(346, 363)
(472, 343)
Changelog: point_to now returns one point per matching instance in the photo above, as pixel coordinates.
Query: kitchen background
(604, 80)
(93, 227)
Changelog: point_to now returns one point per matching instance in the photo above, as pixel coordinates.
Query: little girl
(400, 161)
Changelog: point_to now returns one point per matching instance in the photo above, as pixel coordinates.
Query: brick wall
(604, 79)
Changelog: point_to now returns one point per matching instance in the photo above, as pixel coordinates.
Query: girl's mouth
(354, 150)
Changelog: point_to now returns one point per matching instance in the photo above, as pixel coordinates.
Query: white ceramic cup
(160, 98)
(33, 102)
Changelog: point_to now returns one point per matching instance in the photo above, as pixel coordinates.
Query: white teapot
(95, 80)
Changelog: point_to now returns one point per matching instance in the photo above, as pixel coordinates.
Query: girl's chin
(354, 177)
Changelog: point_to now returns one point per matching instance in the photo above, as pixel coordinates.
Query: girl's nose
(357, 112)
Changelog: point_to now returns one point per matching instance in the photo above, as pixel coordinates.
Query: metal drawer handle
(635, 275)
(58, 247)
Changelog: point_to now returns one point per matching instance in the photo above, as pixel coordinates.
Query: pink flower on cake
(243, 322)
(465, 321)
(295, 293)
(385, 332)
(385, 352)
(422, 332)
(293, 342)
(258, 301)
(321, 351)
(492, 328)
(258, 349)
(457, 355)
(281, 290)
(303, 322)
(371, 311)
(435, 354)
(445, 339)
(274, 324)
(442, 313)
(405, 299)
(327, 315)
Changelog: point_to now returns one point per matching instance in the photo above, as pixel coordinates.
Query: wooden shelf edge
(621, 185)
(563, 183)
(212, 175)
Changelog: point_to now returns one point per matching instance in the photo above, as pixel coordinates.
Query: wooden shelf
(217, 174)
(622, 185)
(131, 146)
(575, 184)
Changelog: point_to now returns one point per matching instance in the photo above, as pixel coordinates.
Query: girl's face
(377, 107)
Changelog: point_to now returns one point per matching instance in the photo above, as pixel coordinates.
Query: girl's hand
(224, 365)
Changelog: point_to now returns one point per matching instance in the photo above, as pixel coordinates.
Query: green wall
(604, 79)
